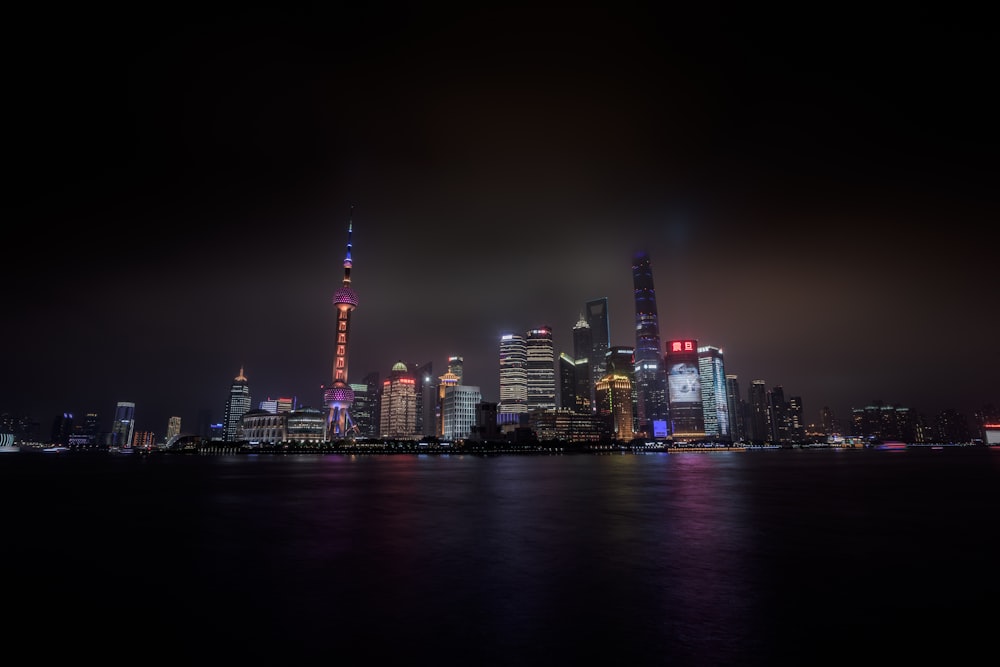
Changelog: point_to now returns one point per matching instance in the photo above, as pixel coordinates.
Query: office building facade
(513, 374)
(459, 408)
(237, 405)
(540, 369)
(714, 394)
(123, 427)
(583, 348)
(399, 405)
(620, 361)
(687, 418)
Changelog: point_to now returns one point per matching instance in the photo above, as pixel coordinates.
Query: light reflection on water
(695, 558)
(643, 547)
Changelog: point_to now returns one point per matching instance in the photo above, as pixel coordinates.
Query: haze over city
(817, 194)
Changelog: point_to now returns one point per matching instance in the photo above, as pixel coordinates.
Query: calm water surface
(741, 558)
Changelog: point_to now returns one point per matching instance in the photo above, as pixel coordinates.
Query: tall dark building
(123, 427)
(339, 396)
(737, 422)
(204, 427)
(62, 427)
(92, 428)
(567, 382)
(600, 336)
(828, 421)
(426, 395)
(758, 431)
(777, 415)
(365, 408)
(583, 347)
(650, 377)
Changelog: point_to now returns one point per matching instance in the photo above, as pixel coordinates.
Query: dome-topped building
(399, 405)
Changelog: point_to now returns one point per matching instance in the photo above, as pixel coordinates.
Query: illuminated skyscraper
(541, 369)
(124, 425)
(339, 396)
(447, 380)
(714, 401)
(236, 406)
(684, 389)
(455, 367)
(650, 376)
(513, 374)
(173, 428)
(458, 410)
(613, 394)
(620, 362)
(399, 405)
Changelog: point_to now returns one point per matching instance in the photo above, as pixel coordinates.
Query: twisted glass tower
(650, 379)
(339, 396)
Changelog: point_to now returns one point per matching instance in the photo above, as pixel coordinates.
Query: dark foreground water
(762, 557)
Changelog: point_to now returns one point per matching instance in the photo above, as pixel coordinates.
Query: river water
(739, 558)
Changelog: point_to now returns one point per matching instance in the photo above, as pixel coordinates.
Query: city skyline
(817, 203)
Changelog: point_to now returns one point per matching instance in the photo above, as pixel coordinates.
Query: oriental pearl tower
(339, 396)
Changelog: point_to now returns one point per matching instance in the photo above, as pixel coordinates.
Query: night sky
(817, 192)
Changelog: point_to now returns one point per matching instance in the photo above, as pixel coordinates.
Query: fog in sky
(816, 190)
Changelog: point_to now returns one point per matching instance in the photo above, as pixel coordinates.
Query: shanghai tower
(650, 379)
(339, 396)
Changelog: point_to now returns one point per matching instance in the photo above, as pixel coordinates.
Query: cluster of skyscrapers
(676, 390)
(645, 390)
(652, 389)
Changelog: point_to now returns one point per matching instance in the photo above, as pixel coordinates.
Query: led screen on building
(683, 380)
(683, 383)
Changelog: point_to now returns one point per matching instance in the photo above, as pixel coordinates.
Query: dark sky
(817, 192)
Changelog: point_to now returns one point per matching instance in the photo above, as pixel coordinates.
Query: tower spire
(347, 260)
(339, 396)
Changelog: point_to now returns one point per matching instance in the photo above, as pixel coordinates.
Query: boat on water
(708, 448)
(55, 449)
(891, 446)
